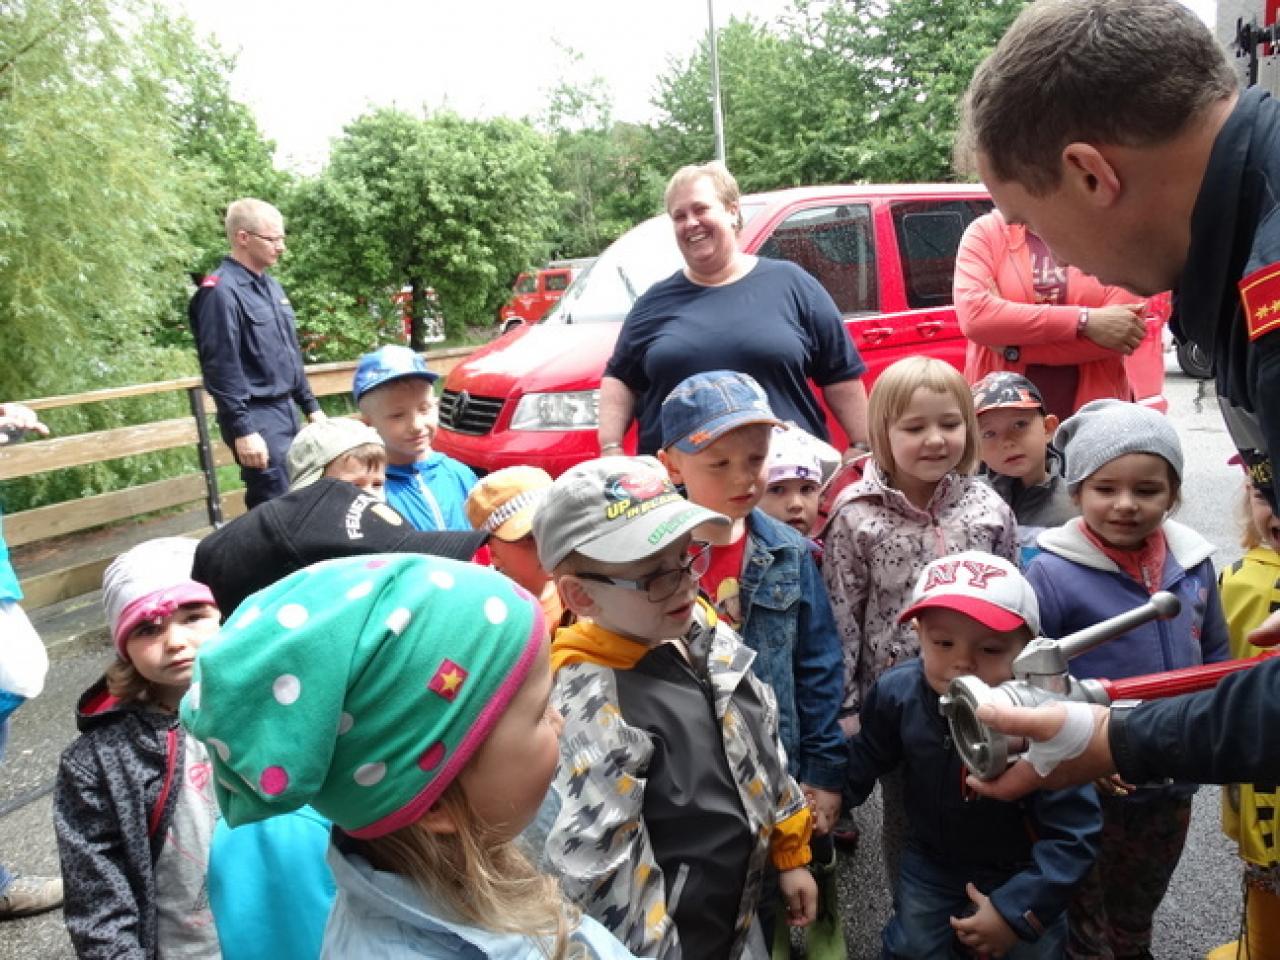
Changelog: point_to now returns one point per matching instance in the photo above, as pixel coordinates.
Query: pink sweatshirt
(996, 309)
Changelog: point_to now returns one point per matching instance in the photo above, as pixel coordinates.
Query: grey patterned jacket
(606, 847)
(109, 833)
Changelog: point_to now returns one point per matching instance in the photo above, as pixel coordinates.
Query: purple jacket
(1077, 586)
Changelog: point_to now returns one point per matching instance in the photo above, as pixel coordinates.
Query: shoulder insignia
(210, 281)
(1260, 295)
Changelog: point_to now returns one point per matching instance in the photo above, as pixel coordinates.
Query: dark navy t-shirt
(777, 324)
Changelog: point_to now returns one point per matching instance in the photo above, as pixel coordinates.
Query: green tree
(909, 61)
(834, 92)
(770, 124)
(99, 211)
(430, 202)
(600, 167)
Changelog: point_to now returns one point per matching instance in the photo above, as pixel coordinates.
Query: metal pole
(717, 116)
(213, 500)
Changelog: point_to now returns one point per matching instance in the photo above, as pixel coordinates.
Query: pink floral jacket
(877, 544)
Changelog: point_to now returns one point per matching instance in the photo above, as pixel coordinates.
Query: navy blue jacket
(787, 621)
(1230, 734)
(1235, 232)
(246, 335)
(1042, 845)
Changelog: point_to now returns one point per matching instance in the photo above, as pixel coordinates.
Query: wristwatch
(1083, 322)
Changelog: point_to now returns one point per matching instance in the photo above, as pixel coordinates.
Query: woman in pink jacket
(1023, 311)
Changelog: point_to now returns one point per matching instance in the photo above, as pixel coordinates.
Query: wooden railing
(84, 573)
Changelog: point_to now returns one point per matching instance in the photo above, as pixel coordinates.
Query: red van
(885, 254)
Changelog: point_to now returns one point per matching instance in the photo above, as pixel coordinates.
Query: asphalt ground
(1200, 911)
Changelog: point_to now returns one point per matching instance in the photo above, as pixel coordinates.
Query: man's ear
(1090, 174)
(438, 820)
(575, 595)
(672, 463)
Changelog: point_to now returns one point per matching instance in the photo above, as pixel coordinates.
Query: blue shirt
(270, 888)
(430, 493)
(777, 324)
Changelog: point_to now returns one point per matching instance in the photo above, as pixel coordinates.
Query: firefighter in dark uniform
(249, 354)
(1117, 131)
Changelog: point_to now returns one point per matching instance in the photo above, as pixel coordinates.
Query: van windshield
(632, 264)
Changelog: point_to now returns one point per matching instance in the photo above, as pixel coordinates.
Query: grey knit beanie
(1103, 430)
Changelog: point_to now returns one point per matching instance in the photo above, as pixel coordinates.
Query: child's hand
(800, 894)
(984, 931)
(825, 807)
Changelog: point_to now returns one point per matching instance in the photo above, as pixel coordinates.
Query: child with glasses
(674, 784)
(717, 429)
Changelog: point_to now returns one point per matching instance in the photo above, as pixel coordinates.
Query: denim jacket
(787, 621)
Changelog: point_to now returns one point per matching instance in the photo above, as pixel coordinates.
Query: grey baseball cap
(615, 510)
(318, 444)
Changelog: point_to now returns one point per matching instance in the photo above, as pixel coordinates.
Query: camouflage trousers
(1110, 916)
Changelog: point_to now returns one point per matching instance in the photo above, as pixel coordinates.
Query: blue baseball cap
(706, 406)
(389, 363)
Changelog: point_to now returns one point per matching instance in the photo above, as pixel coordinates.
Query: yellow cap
(502, 503)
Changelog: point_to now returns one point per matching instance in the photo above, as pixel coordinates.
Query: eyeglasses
(274, 241)
(663, 584)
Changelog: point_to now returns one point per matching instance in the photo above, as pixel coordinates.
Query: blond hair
(722, 182)
(892, 394)
(1134, 73)
(488, 884)
(248, 213)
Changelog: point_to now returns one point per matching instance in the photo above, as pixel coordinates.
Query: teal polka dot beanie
(361, 686)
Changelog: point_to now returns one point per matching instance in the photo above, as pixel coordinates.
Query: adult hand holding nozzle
(1077, 725)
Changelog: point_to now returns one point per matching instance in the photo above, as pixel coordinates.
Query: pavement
(1201, 909)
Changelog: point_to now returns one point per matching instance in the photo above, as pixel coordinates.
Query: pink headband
(156, 606)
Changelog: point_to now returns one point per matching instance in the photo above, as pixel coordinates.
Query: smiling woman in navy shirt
(729, 310)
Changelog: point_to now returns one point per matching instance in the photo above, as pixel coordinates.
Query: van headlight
(579, 410)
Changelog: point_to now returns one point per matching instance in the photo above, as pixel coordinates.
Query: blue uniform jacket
(430, 494)
(246, 335)
(787, 621)
(1228, 734)
(1235, 233)
(1030, 854)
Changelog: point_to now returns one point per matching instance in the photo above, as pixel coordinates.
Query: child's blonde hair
(892, 394)
(1250, 536)
(489, 885)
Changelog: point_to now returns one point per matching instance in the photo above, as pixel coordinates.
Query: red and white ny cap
(980, 585)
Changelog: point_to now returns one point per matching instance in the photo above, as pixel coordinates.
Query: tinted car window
(527, 283)
(633, 263)
(929, 233)
(557, 281)
(834, 244)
